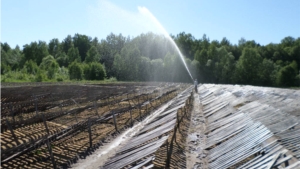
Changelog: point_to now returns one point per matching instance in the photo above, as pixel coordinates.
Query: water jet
(147, 13)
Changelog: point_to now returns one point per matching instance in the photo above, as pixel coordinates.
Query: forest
(151, 57)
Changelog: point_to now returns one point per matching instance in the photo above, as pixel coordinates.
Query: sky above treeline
(267, 21)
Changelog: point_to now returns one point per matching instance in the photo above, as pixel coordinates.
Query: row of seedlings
(140, 150)
(42, 151)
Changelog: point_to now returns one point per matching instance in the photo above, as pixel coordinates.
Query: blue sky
(265, 21)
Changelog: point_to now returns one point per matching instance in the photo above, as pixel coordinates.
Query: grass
(21, 77)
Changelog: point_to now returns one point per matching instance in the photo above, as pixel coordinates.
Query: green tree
(5, 47)
(41, 52)
(286, 76)
(46, 62)
(205, 42)
(11, 57)
(5, 68)
(36, 51)
(219, 59)
(41, 76)
(62, 59)
(186, 42)
(225, 42)
(153, 46)
(213, 61)
(4, 56)
(97, 71)
(75, 71)
(62, 74)
(15, 58)
(95, 42)
(30, 51)
(93, 71)
(86, 68)
(31, 67)
(92, 55)
(227, 64)
(108, 49)
(201, 56)
(157, 67)
(267, 73)
(73, 55)
(180, 72)
(82, 43)
(288, 41)
(247, 71)
(67, 43)
(54, 47)
(52, 70)
(119, 66)
(144, 69)
(169, 67)
(50, 65)
(127, 63)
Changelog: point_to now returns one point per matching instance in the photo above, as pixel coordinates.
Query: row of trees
(245, 63)
(151, 57)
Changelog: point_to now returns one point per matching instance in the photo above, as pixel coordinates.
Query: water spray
(147, 13)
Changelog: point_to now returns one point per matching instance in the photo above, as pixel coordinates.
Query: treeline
(151, 57)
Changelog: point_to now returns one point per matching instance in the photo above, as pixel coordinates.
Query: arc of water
(146, 12)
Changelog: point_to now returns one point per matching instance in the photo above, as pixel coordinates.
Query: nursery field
(149, 125)
(53, 125)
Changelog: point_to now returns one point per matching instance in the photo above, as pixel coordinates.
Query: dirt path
(196, 138)
(100, 156)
